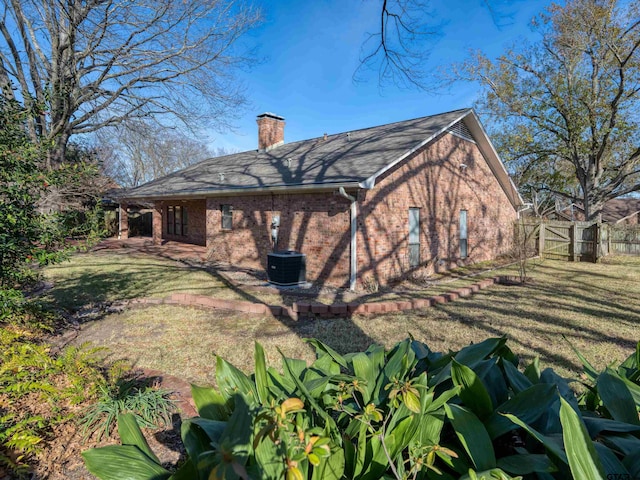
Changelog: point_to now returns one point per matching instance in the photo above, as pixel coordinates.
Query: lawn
(95, 277)
(595, 306)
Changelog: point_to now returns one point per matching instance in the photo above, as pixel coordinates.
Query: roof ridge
(351, 131)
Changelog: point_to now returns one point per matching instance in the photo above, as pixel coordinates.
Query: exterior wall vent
(461, 130)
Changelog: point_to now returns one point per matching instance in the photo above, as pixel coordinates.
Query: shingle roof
(350, 157)
(353, 158)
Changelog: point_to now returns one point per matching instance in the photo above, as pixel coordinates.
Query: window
(464, 246)
(177, 220)
(414, 237)
(227, 216)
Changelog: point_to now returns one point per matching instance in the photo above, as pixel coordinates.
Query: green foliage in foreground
(38, 390)
(150, 406)
(408, 413)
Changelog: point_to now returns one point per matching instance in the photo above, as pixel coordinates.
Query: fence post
(541, 239)
(573, 237)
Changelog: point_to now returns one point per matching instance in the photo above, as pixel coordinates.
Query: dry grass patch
(98, 277)
(595, 306)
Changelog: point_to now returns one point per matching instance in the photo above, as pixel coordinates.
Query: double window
(177, 220)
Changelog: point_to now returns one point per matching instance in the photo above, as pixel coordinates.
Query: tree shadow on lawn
(126, 283)
(539, 332)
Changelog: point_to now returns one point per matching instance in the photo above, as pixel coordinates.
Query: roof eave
(493, 160)
(289, 189)
(486, 148)
(370, 182)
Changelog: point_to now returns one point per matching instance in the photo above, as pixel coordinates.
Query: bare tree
(567, 106)
(137, 152)
(97, 63)
(401, 44)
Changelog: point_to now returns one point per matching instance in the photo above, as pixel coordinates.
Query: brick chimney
(270, 131)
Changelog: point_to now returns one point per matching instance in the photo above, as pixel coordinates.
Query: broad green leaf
(238, 431)
(321, 348)
(492, 376)
(443, 398)
(326, 365)
(532, 371)
(634, 389)
(590, 371)
(617, 398)
(268, 456)
(596, 425)
(130, 434)
(232, 381)
(473, 436)
(210, 403)
(281, 385)
(527, 463)
(363, 368)
(187, 471)
(583, 459)
(473, 393)
(625, 443)
(472, 354)
(399, 362)
(430, 429)
(518, 381)
(199, 433)
(527, 405)
(492, 474)
(122, 462)
(553, 447)
(317, 386)
(331, 468)
(307, 396)
(632, 464)
(610, 463)
(262, 379)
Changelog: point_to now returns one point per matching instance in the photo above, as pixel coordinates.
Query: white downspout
(354, 231)
(119, 220)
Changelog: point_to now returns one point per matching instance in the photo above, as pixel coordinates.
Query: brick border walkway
(306, 310)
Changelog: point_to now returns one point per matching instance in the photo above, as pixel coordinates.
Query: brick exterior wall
(433, 181)
(315, 224)
(196, 221)
(318, 224)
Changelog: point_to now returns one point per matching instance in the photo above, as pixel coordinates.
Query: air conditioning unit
(287, 268)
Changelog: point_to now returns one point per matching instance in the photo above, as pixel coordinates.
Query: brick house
(622, 211)
(373, 204)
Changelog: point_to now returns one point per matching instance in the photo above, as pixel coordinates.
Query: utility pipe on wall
(354, 231)
(119, 220)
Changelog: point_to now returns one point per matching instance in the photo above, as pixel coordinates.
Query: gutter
(204, 193)
(354, 230)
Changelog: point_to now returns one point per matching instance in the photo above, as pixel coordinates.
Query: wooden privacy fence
(580, 241)
(572, 241)
(624, 239)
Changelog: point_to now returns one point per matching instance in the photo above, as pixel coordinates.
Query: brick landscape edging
(302, 310)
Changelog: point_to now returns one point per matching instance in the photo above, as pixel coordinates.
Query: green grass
(99, 277)
(595, 306)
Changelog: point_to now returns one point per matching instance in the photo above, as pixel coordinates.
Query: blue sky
(311, 50)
